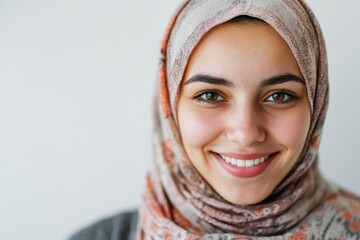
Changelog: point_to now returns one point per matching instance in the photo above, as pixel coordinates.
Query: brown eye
(281, 97)
(209, 97)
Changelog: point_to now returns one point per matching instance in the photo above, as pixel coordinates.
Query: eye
(210, 97)
(281, 97)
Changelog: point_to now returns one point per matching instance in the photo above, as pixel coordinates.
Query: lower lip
(242, 172)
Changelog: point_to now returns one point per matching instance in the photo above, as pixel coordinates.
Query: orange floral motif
(316, 142)
(168, 152)
(355, 208)
(180, 219)
(259, 212)
(153, 205)
(298, 236)
(354, 227)
(347, 215)
(168, 235)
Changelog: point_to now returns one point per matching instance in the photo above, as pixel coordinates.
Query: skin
(246, 115)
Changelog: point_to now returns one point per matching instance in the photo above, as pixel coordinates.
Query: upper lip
(244, 156)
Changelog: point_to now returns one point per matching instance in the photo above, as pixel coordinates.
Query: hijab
(177, 202)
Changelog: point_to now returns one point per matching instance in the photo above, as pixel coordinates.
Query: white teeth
(240, 163)
(244, 163)
(249, 163)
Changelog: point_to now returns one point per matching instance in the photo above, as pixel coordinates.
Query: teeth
(244, 163)
(240, 163)
(249, 163)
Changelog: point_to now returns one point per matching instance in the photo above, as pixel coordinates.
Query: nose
(246, 126)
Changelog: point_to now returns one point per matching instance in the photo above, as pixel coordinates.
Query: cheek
(197, 127)
(291, 129)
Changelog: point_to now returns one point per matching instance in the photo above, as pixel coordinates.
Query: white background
(76, 86)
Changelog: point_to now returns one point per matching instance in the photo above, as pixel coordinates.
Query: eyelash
(290, 96)
(199, 97)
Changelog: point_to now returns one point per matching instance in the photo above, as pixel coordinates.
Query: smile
(244, 163)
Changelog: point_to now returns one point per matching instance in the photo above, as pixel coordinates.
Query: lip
(245, 172)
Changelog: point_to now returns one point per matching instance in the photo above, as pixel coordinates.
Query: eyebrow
(210, 80)
(221, 81)
(281, 79)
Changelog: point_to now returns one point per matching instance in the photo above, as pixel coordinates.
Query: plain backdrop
(76, 86)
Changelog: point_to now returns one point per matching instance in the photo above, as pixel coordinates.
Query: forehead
(250, 51)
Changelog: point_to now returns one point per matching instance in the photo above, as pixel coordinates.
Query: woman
(241, 104)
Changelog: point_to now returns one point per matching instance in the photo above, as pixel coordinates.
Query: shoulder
(339, 215)
(120, 226)
(345, 217)
(336, 217)
(344, 203)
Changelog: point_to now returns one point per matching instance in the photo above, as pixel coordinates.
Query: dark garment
(119, 227)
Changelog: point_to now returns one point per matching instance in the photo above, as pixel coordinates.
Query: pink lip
(243, 172)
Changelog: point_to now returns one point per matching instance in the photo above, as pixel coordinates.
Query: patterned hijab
(178, 203)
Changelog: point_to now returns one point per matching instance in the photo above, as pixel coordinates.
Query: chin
(244, 199)
(242, 191)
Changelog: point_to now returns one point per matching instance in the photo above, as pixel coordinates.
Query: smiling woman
(244, 130)
(242, 99)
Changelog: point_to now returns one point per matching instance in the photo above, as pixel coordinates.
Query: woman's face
(243, 110)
